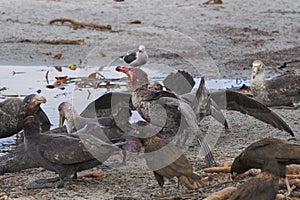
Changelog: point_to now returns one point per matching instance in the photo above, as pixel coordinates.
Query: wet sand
(218, 41)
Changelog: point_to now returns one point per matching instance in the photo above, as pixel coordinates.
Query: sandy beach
(218, 41)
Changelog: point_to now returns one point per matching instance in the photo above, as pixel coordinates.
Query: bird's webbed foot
(43, 183)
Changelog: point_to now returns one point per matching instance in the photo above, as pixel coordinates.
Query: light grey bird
(136, 59)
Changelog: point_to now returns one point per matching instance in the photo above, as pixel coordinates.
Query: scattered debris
(214, 2)
(77, 24)
(48, 53)
(292, 171)
(284, 197)
(181, 196)
(14, 73)
(102, 53)
(222, 194)
(46, 76)
(57, 56)
(3, 88)
(284, 65)
(97, 174)
(14, 95)
(58, 68)
(217, 170)
(132, 22)
(72, 66)
(60, 80)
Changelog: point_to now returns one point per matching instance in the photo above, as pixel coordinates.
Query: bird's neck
(258, 81)
(137, 94)
(31, 127)
(73, 122)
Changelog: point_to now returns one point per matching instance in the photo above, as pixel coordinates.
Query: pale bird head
(142, 49)
(257, 68)
(136, 76)
(66, 112)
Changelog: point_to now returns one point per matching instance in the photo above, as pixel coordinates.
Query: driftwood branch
(79, 41)
(77, 24)
(292, 171)
(222, 194)
(132, 22)
(213, 2)
(217, 170)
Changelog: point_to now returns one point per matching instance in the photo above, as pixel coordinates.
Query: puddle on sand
(24, 80)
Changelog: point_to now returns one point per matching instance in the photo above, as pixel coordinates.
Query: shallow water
(22, 80)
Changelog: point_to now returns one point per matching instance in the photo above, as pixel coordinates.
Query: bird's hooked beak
(123, 69)
(255, 71)
(61, 119)
(257, 67)
(39, 99)
(35, 102)
(233, 176)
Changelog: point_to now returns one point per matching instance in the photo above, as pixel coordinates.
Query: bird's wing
(204, 105)
(192, 125)
(12, 106)
(286, 84)
(218, 115)
(181, 82)
(96, 142)
(157, 94)
(63, 150)
(189, 125)
(103, 105)
(232, 100)
(272, 148)
(44, 120)
(166, 157)
(263, 187)
(130, 57)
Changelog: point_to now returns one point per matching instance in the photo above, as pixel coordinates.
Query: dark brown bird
(256, 154)
(12, 113)
(165, 159)
(164, 109)
(264, 186)
(63, 154)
